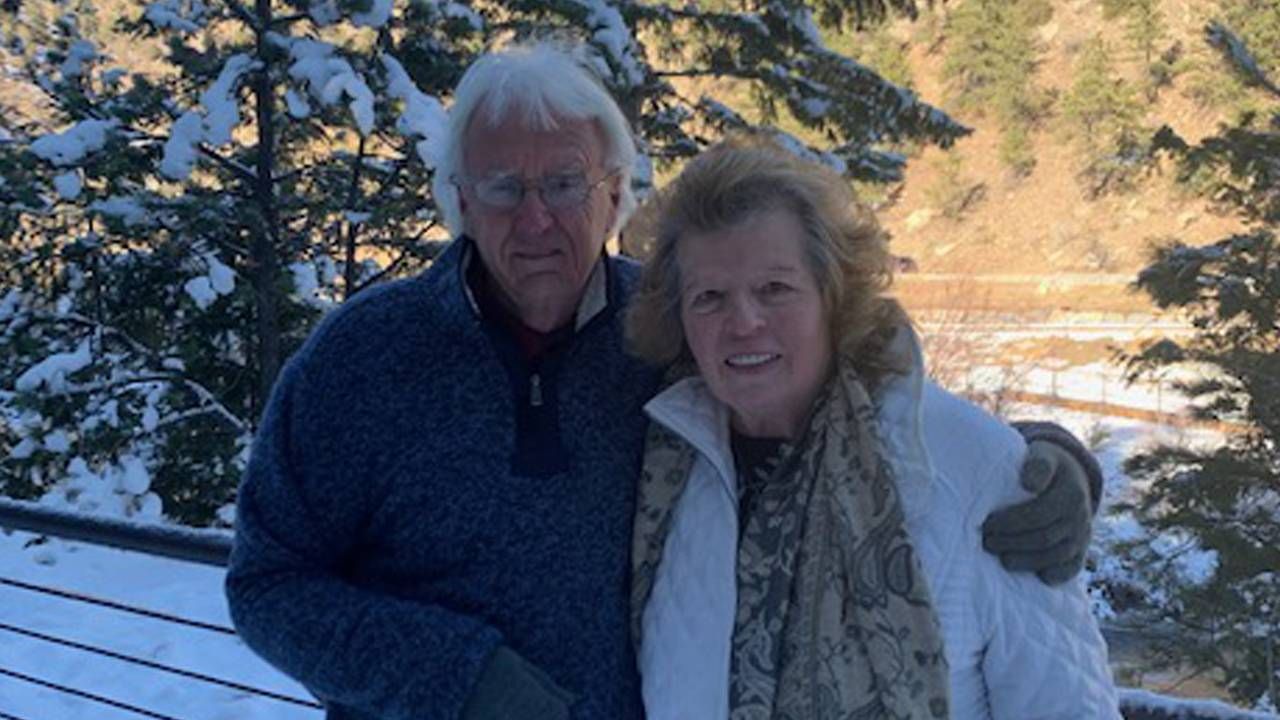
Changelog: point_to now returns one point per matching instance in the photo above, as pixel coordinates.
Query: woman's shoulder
(977, 456)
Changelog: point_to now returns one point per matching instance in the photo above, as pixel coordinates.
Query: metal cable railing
(110, 604)
(206, 547)
(85, 647)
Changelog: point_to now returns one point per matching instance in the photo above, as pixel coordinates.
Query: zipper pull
(535, 391)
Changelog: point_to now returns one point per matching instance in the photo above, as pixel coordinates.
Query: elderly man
(437, 515)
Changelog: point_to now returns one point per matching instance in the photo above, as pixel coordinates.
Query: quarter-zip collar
(533, 361)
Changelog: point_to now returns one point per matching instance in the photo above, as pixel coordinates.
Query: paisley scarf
(834, 618)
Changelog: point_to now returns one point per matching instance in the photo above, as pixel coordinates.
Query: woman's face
(754, 320)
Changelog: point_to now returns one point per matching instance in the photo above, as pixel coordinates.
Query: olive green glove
(512, 688)
(1050, 533)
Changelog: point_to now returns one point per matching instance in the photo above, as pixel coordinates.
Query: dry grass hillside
(1071, 252)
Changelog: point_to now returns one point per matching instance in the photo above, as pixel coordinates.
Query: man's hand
(512, 688)
(1048, 534)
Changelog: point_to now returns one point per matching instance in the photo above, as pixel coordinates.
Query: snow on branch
(610, 31)
(422, 117)
(323, 12)
(180, 149)
(52, 372)
(721, 114)
(125, 209)
(71, 146)
(206, 288)
(329, 78)
(184, 16)
(119, 381)
(327, 12)
(376, 16)
(451, 9)
(69, 184)
(221, 115)
(80, 52)
(793, 144)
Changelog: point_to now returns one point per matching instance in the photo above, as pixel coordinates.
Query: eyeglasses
(561, 191)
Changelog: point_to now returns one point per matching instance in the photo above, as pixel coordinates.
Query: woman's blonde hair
(736, 180)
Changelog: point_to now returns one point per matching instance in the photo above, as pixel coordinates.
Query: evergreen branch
(709, 72)
(243, 172)
(288, 20)
(383, 273)
(734, 19)
(90, 323)
(190, 413)
(209, 401)
(406, 246)
(148, 355)
(298, 172)
(116, 381)
(1183, 680)
(389, 180)
(235, 249)
(243, 13)
(1237, 53)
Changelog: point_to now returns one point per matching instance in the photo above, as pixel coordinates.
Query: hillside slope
(1045, 223)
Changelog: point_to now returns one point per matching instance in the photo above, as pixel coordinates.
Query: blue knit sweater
(408, 508)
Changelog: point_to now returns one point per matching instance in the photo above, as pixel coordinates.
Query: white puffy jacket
(1017, 649)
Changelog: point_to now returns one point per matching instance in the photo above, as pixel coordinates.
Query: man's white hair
(544, 83)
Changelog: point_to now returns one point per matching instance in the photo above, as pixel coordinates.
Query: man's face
(539, 256)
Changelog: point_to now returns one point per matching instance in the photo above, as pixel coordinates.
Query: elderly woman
(807, 540)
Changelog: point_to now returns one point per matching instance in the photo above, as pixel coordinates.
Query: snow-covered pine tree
(173, 235)
(1207, 550)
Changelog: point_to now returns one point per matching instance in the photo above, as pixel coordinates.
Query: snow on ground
(183, 589)
(1095, 382)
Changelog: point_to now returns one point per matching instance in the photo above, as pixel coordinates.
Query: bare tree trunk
(349, 275)
(630, 104)
(266, 239)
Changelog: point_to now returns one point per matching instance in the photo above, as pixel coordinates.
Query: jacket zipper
(535, 390)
